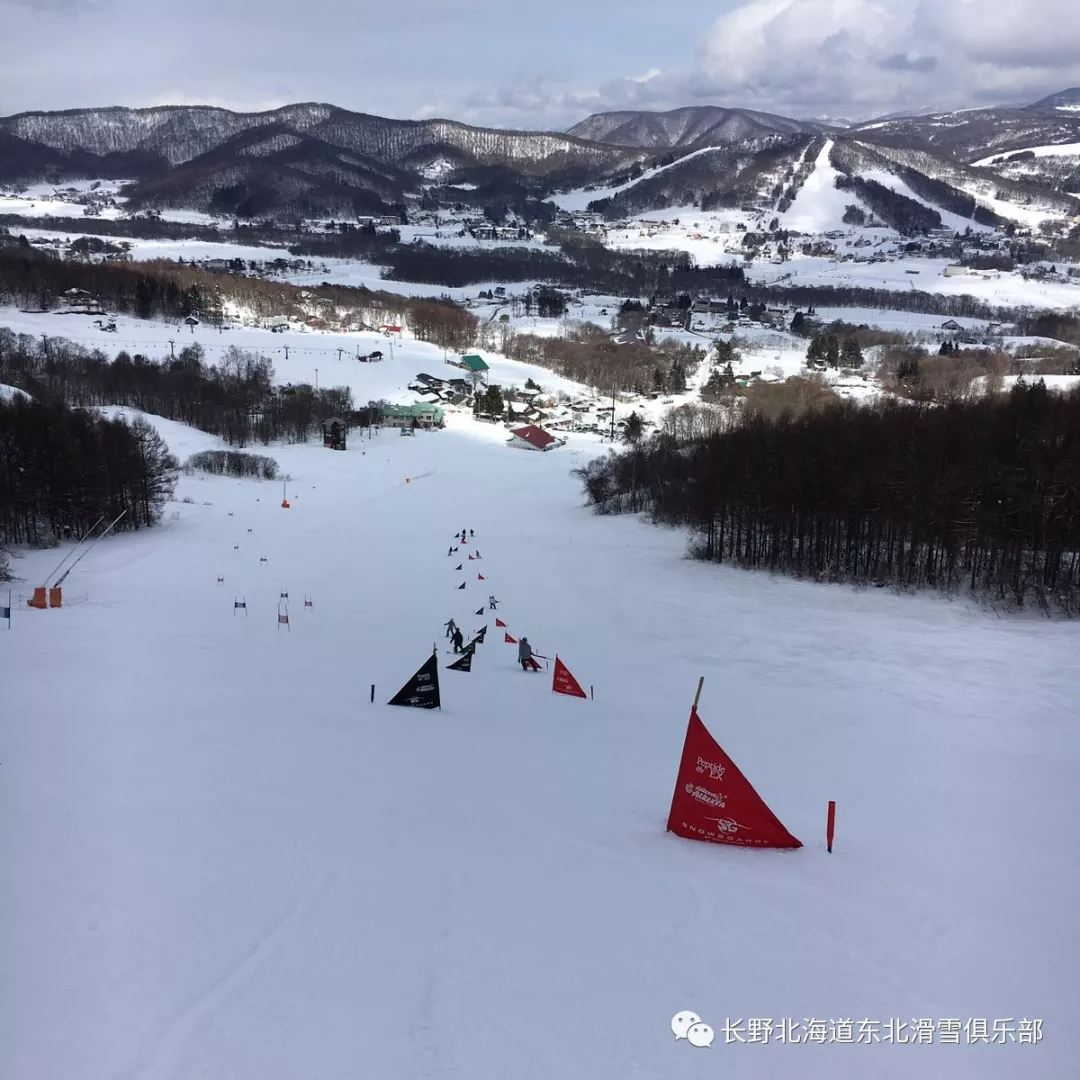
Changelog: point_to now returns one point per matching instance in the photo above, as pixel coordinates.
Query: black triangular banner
(462, 585)
(458, 567)
(464, 664)
(479, 636)
(479, 611)
(422, 690)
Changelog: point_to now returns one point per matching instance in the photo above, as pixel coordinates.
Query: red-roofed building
(531, 437)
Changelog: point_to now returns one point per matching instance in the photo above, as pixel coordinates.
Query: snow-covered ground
(1051, 150)
(220, 859)
(925, 275)
(62, 200)
(296, 355)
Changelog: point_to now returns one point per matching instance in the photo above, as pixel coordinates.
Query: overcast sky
(541, 64)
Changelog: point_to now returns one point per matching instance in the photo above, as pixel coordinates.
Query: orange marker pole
(830, 825)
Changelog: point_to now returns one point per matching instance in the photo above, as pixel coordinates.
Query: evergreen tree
(832, 350)
(850, 354)
(633, 429)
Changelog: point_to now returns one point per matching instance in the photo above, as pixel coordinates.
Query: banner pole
(829, 825)
(697, 696)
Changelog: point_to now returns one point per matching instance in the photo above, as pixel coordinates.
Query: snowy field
(298, 356)
(220, 859)
(62, 200)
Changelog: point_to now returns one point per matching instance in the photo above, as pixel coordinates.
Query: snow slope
(221, 860)
(1051, 150)
(580, 198)
(819, 205)
(297, 356)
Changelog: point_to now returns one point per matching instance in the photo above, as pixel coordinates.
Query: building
(475, 364)
(423, 414)
(335, 431)
(531, 437)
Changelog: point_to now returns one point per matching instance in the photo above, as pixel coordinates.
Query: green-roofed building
(475, 363)
(421, 414)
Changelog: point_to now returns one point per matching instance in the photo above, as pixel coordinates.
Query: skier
(493, 602)
(457, 639)
(471, 533)
(451, 627)
(525, 656)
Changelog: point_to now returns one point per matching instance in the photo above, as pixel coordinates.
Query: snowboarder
(471, 533)
(493, 602)
(457, 639)
(451, 626)
(449, 552)
(525, 656)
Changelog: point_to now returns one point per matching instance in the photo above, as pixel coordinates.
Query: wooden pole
(830, 824)
(697, 696)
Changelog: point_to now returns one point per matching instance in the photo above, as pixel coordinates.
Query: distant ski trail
(188, 1018)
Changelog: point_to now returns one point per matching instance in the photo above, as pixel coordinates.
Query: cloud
(544, 67)
(877, 56)
(859, 58)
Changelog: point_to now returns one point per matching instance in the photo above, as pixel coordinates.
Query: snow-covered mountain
(317, 158)
(1065, 100)
(693, 126)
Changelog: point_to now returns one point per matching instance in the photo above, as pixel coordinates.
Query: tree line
(62, 469)
(982, 496)
(35, 280)
(905, 215)
(588, 355)
(235, 399)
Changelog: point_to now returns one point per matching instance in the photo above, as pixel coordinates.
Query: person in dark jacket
(525, 656)
(457, 639)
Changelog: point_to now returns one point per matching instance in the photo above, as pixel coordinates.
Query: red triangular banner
(480, 577)
(714, 802)
(564, 682)
(470, 558)
(508, 639)
(499, 622)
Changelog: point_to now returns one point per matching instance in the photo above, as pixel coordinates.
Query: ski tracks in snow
(165, 1060)
(432, 1031)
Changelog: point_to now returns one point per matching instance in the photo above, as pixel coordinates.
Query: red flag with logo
(564, 682)
(508, 639)
(498, 621)
(714, 802)
(480, 577)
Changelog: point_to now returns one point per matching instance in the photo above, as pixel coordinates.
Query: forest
(905, 215)
(33, 280)
(968, 496)
(63, 469)
(236, 399)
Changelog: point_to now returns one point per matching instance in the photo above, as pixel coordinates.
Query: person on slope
(493, 602)
(457, 639)
(525, 656)
(451, 626)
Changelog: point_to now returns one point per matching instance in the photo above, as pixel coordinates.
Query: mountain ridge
(316, 158)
